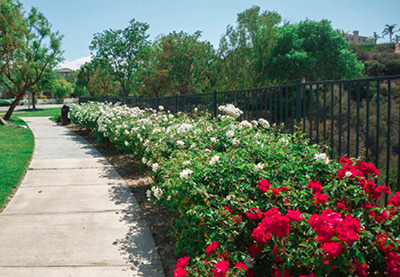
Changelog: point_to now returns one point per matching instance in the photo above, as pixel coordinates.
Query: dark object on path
(64, 115)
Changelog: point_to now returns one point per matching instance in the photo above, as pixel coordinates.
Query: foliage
(379, 59)
(245, 51)
(96, 80)
(8, 102)
(251, 199)
(62, 88)
(122, 53)
(181, 64)
(314, 51)
(374, 68)
(12, 31)
(390, 62)
(16, 150)
(258, 52)
(389, 30)
(45, 85)
(40, 51)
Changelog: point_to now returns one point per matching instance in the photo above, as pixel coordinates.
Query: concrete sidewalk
(73, 215)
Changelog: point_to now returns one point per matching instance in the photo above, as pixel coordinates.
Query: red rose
(264, 185)
(237, 218)
(277, 273)
(367, 168)
(361, 269)
(179, 272)
(221, 268)
(277, 225)
(260, 234)
(254, 250)
(395, 200)
(344, 160)
(254, 213)
(228, 209)
(341, 206)
(294, 215)
(332, 249)
(315, 186)
(320, 198)
(212, 248)
(241, 266)
(182, 262)
(277, 191)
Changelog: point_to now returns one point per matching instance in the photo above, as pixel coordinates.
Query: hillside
(379, 59)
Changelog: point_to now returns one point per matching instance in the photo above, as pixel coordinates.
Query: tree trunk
(33, 101)
(126, 94)
(19, 97)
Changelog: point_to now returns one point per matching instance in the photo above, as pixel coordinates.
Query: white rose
(214, 160)
(184, 174)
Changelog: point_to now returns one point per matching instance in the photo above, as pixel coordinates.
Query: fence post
(215, 110)
(176, 103)
(298, 101)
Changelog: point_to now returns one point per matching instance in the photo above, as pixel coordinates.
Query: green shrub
(253, 201)
(8, 102)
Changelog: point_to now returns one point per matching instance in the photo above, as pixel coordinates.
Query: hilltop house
(355, 38)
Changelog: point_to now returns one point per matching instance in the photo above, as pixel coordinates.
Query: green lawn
(37, 112)
(52, 112)
(16, 148)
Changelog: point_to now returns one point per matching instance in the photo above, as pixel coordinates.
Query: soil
(158, 218)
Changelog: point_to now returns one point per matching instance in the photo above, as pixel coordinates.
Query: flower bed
(253, 201)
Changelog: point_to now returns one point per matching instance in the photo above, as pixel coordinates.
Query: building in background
(355, 38)
(66, 73)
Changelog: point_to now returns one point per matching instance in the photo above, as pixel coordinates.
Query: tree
(62, 88)
(313, 51)
(12, 31)
(376, 36)
(373, 68)
(389, 30)
(45, 84)
(154, 80)
(83, 77)
(185, 61)
(122, 52)
(244, 53)
(40, 51)
(97, 80)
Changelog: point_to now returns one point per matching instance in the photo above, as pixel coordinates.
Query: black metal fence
(354, 118)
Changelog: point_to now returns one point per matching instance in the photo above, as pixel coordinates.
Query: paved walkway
(73, 215)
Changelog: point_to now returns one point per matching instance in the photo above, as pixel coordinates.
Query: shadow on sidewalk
(138, 245)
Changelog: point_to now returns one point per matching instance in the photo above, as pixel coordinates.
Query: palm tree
(397, 39)
(389, 30)
(376, 37)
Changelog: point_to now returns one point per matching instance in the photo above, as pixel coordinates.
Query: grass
(16, 150)
(54, 113)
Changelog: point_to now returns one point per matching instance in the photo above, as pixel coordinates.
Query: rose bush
(253, 201)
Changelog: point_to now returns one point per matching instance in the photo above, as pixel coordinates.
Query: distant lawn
(52, 112)
(38, 112)
(16, 150)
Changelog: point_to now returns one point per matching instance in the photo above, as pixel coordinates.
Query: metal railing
(359, 117)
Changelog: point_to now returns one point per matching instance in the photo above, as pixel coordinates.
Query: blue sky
(78, 20)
